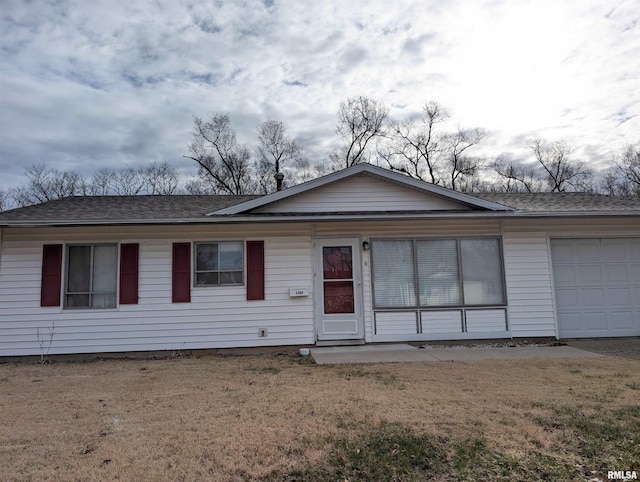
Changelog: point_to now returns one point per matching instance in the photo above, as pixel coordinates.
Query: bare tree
(101, 182)
(128, 182)
(46, 184)
(160, 178)
(553, 169)
(515, 177)
(416, 149)
(360, 120)
(304, 171)
(224, 166)
(561, 172)
(462, 168)
(276, 152)
(421, 151)
(627, 171)
(4, 200)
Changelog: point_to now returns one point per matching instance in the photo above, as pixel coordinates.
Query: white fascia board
(352, 171)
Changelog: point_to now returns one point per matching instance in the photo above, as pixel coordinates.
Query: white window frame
(91, 292)
(462, 304)
(218, 271)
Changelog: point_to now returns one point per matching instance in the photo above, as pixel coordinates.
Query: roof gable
(363, 188)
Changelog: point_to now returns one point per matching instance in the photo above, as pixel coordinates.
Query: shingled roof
(555, 202)
(194, 208)
(104, 208)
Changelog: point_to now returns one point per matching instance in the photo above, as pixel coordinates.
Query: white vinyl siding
(529, 289)
(479, 321)
(441, 322)
(362, 193)
(217, 318)
(395, 323)
(221, 317)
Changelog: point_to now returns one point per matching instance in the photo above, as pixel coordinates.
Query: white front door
(338, 289)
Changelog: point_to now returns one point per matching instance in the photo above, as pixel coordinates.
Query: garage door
(597, 286)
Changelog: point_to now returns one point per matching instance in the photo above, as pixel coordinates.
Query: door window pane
(337, 262)
(393, 273)
(482, 272)
(338, 297)
(438, 274)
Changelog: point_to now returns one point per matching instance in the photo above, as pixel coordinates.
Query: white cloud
(87, 84)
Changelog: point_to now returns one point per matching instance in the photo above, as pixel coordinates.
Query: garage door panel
(623, 320)
(570, 322)
(620, 297)
(617, 273)
(589, 275)
(591, 297)
(613, 249)
(567, 299)
(595, 321)
(588, 250)
(634, 249)
(597, 286)
(563, 251)
(565, 275)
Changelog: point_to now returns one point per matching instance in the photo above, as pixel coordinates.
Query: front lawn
(281, 418)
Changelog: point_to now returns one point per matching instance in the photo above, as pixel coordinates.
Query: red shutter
(181, 283)
(129, 274)
(255, 270)
(51, 275)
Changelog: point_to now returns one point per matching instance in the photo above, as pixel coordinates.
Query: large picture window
(431, 273)
(91, 280)
(219, 264)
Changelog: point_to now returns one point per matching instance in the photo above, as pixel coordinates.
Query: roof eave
(318, 217)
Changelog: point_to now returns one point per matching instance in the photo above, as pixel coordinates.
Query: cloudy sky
(84, 85)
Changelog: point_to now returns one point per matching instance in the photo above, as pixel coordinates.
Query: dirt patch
(279, 417)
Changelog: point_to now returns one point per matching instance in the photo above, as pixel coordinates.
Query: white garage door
(597, 286)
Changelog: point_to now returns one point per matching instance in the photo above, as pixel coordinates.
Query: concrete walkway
(406, 353)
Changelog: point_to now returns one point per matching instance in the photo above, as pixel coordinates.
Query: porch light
(366, 246)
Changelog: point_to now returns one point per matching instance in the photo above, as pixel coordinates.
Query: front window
(431, 273)
(91, 276)
(219, 264)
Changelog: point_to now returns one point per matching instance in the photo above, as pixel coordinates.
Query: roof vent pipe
(279, 177)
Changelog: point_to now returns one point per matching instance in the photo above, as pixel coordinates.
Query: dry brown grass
(252, 417)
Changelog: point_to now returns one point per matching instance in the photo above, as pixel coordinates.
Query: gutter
(232, 219)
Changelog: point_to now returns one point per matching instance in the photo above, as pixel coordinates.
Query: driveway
(622, 347)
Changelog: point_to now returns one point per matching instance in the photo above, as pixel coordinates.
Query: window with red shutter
(129, 274)
(255, 270)
(181, 273)
(51, 275)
